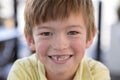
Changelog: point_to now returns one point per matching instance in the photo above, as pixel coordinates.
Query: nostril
(71, 55)
(60, 48)
(60, 45)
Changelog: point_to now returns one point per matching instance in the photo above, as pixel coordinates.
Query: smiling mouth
(60, 58)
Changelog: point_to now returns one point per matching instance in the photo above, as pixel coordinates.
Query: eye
(73, 33)
(46, 34)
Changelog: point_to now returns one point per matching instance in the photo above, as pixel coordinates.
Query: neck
(61, 76)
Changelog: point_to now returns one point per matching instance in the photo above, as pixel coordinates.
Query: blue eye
(46, 34)
(73, 33)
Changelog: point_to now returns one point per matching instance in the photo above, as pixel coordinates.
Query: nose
(60, 42)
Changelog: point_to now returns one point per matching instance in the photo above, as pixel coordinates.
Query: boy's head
(40, 11)
(59, 31)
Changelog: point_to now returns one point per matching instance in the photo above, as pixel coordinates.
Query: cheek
(79, 46)
(41, 48)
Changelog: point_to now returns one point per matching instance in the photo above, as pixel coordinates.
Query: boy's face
(60, 45)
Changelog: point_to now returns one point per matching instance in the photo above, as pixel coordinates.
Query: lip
(60, 59)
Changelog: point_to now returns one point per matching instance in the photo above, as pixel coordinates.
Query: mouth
(60, 59)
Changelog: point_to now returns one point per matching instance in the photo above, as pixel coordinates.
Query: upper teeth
(60, 58)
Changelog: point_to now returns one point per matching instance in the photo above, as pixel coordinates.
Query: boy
(59, 31)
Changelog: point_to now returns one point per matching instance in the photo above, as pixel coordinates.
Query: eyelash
(73, 33)
(50, 33)
(46, 34)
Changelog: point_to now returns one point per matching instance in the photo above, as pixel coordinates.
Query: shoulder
(27, 62)
(24, 68)
(98, 70)
(93, 64)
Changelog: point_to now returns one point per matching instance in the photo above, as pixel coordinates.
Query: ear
(30, 42)
(90, 40)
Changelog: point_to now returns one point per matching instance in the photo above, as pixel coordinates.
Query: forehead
(72, 20)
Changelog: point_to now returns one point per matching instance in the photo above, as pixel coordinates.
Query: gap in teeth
(60, 58)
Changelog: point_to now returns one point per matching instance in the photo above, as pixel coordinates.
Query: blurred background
(106, 46)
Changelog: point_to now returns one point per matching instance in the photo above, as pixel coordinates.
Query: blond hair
(40, 11)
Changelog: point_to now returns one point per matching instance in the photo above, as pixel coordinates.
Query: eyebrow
(75, 26)
(44, 27)
(69, 26)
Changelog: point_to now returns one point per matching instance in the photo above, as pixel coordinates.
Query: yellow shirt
(30, 68)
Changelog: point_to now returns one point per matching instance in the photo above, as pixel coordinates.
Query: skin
(60, 45)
